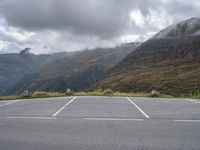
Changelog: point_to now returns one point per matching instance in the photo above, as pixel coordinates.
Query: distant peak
(25, 51)
(132, 43)
(190, 27)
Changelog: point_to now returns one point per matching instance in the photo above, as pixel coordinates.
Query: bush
(40, 94)
(154, 93)
(108, 92)
(69, 93)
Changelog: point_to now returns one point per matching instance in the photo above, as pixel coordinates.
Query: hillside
(14, 66)
(168, 62)
(77, 72)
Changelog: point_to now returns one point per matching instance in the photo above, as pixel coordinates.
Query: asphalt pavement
(100, 123)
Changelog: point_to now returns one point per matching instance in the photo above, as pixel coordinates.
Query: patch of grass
(39, 94)
(107, 92)
(130, 94)
(91, 93)
(55, 94)
(42, 94)
(10, 97)
(161, 96)
(195, 95)
(80, 94)
(111, 93)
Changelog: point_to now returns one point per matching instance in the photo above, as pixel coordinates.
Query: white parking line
(187, 121)
(113, 119)
(57, 112)
(138, 108)
(193, 101)
(14, 101)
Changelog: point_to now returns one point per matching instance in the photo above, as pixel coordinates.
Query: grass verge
(40, 94)
(37, 94)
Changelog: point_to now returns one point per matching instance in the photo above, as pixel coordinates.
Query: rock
(25, 93)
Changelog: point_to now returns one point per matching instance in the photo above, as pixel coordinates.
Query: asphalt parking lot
(99, 123)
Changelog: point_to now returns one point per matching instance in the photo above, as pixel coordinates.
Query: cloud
(67, 25)
(104, 18)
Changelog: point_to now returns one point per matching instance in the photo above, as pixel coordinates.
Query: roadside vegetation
(99, 92)
(195, 95)
(37, 94)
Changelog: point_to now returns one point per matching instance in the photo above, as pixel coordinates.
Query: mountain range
(14, 66)
(168, 62)
(78, 71)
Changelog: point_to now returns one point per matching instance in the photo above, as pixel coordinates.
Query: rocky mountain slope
(77, 72)
(168, 62)
(14, 66)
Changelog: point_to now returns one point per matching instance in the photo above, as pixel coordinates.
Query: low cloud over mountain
(67, 25)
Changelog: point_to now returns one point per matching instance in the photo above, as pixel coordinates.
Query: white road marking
(13, 101)
(57, 112)
(138, 108)
(113, 119)
(187, 121)
(24, 117)
(193, 101)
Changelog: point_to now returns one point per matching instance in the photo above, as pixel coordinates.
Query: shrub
(69, 93)
(40, 94)
(108, 92)
(154, 93)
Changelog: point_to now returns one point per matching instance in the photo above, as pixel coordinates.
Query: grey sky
(67, 25)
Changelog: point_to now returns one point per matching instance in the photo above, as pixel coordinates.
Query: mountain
(78, 72)
(168, 62)
(14, 66)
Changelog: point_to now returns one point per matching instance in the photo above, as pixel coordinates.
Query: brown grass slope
(169, 64)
